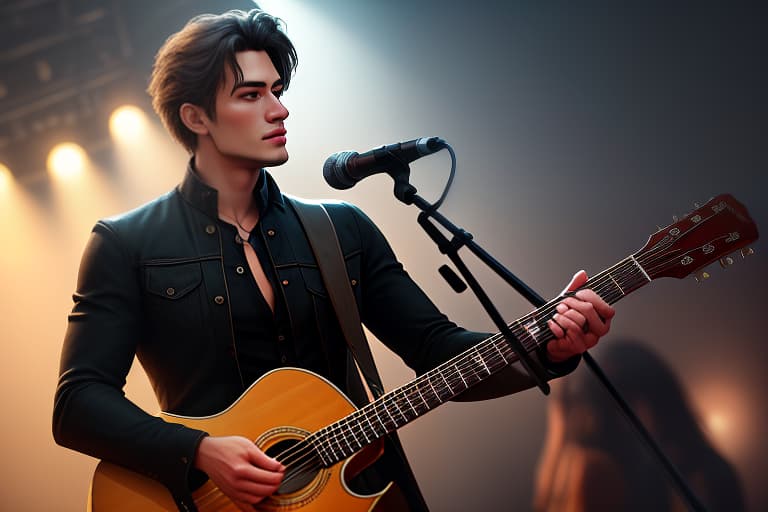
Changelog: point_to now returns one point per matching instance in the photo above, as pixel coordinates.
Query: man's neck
(234, 182)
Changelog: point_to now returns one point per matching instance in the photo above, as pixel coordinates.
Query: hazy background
(578, 130)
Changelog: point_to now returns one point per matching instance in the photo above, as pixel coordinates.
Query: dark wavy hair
(592, 422)
(189, 67)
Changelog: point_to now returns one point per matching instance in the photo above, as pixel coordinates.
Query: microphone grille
(335, 170)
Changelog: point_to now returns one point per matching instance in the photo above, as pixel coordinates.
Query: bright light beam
(67, 161)
(127, 123)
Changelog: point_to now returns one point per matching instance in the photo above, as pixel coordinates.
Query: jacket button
(210, 229)
(218, 299)
(283, 359)
(285, 282)
(170, 292)
(271, 232)
(240, 270)
(281, 338)
(354, 282)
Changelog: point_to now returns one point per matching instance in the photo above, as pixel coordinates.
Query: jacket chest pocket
(173, 298)
(173, 282)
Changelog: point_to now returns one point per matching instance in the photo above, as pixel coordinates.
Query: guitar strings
(653, 262)
(304, 455)
(406, 394)
(398, 398)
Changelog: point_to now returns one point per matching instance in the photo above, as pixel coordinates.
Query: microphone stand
(407, 193)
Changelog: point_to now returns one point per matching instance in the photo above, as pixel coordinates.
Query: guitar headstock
(713, 231)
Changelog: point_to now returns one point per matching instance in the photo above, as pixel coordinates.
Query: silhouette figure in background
(593, 461)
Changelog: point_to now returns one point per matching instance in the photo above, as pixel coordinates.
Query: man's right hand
(240, 469)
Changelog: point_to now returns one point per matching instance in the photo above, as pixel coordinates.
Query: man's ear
(194, 118)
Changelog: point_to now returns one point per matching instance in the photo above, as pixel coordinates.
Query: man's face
(249, 114)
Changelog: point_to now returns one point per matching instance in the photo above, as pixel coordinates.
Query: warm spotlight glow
(127, 123)
(6, 178)
(67, 160)
(718, 424)
(726, 415)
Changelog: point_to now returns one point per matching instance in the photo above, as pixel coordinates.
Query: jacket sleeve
(91, 413)
(401, 315)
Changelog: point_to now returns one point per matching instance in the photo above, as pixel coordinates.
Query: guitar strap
(324, 242)
(330, 260)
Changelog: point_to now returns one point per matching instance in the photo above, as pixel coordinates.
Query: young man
(214, 283)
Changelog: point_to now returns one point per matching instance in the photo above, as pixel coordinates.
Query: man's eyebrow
(251, 83)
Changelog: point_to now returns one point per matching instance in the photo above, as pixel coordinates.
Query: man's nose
(277, 110)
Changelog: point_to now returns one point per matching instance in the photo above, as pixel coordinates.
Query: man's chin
(254, 161)
(277, 159)
(276, 162)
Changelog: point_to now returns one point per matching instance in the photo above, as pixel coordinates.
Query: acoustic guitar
(308, 424)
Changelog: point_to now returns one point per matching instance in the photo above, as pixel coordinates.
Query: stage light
(127, 123)
(67, 160)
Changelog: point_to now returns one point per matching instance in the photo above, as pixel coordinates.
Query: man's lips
(280, 132)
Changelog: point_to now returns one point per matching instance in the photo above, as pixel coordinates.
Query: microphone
(342, 170)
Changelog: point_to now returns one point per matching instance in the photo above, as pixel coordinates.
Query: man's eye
(251, 95)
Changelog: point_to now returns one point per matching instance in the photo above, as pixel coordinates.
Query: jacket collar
(205, 198)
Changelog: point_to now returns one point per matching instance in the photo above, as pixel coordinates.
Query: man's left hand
(579, 323)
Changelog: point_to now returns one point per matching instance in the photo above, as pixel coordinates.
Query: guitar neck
(406, 403)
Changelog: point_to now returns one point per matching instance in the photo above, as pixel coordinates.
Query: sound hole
(300, 469)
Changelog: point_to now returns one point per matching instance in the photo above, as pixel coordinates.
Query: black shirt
(262, 338)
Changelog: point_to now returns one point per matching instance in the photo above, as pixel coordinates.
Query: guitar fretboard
(404, 404)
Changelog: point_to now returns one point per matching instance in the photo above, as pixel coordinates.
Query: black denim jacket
(151, 284)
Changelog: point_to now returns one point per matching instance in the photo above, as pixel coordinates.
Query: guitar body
(282, 407)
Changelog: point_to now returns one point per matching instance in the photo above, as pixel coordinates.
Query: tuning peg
(747, 251)
(696, 205)
(726, 262)
(701, 276)
(675, 218)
